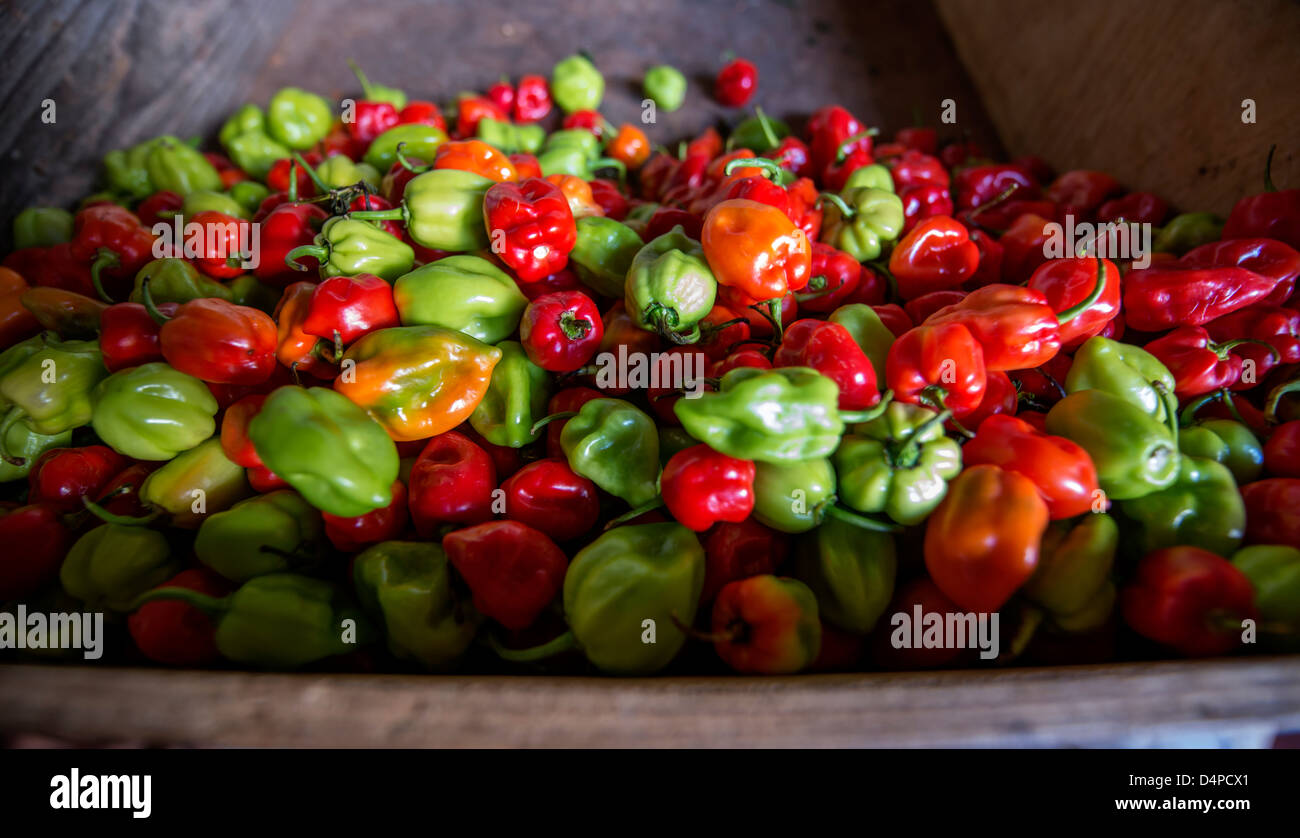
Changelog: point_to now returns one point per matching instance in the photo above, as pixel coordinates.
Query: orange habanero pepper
(475, 156)
(756, 249)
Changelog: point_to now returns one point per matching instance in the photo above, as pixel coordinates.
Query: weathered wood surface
(1205, 704)
(123, 71)
(1151, 92)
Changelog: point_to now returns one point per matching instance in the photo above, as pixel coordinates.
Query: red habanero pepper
(550, 497)
(587, 121)
(513, 570)
(940, 365)
(235, 443)
(16, 322)
(1198, 364)
(1282, 450)
(343, 308)
(564, 280)
(121, 495)
(176, 633)
(1277, 327)
(1062, 471)
(872, 289)
(502, 94)
(1081, 191)
(829, 128)
(1272, 511)
(1014, 326)
(1268, 258)
(505, 459)
(925, 305)
(353, 534)
(128, 336)
(803, 209)
(1159, 298)
(760, 324)
(718, 340)
(835, 276)
(1000, 398)
(665, 219)
(35, 542)
(532, 99)
(607, 195)
(287, 226)
(220, 255)
(894, 318)
(451, 483)
(912, 168)
(1273, 213)
(1023, 247)
(756, 249)
(570, 399)
(113, 239)
(536, 224)
(956, 154)
(1043, 385)
(295, 349)
(846, 163)
(981, 184)
(922, 202)
(1135, 208)
(1190, 600)
(937, 254)
(288, 177)
(738, 550)
(263, 480)
(526, 165)
(736, 83)
(366, 202)
(1070, 282)
(740, 358)
(422, 112)
(793, 154)
(217, 341)
(561, 331)
(702, 487)
(63, 476)
(830, 349)
(471, 109)
(159, 207)
(393, 186)
(370, 119)
(918, 138)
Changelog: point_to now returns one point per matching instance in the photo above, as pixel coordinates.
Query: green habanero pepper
(180, 168)
(759, 133)
(153, 411)
(1187, 231)
(466, 293)
(666, 85)
(264, 534)
(873, 176)
(516, 398)
(174, 280)
(1201, 507)
(1072, 580)
(204, 200)
(194, 484)
(297, 118)
(1126, 371)
(408, 587)
(1274, 571)
(579, 138)
(378, 92)
(51, 387)
(255, 153)
(576, 84)
(899, 463)
(509, 138)
(851, 572)
(622, 579)
(126, 171)
(603, 253)
(1228, 442)
(338, 171)
(615, 445)
(14, 356)
(565, 160)
(673, 440)
(1135, 455)
(42, 227)
(347, 247)
(21, 446)
(442, 209)
(862, 220)
(278, 621)
(249, 194)
(246, 118)
(417, 140)
(868, 331)
(247, 290)
(773, 416)
(327, 448)
(670, 288)
(113, 564)
(793, 496)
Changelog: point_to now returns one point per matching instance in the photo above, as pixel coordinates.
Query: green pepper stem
(320, 251)
(610, 163)
(1275, 398)
(1188, 415)
(1032, 619)
(706, 636)
(394, 214)
(853, 417)
(361, 77)
(210, 605)
(843, 150)
(549, 649)
(774, 312)
(860, 521)
(546, 420)
(311, 173)
(845, 210)
(635, 512)
(406, 162)
(1171, 408)
(935, 398)
(147, 299)
(15, 413)
(1087, 302)
(104, 258)
(910, 451)
(1268, 170)
(771, 169)
(1222, 349)
(766, 126)
(113, 518)
(293, 182)
(574, 327)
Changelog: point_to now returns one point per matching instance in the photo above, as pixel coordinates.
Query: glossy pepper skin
(576, 84)
(830, 349)
(766, 625)
(347, 247)
(756, 249)
(615, 445)
(193, 485)
(1061, 469)
(1134, 454)
(174, 633)
(326, 447)
(1189, 599)
(1198, 364)
(1274, 573)
(702, 487)
(561, 332)
(1129, 372)
(938, 254)
(264, 534)
(628, 575)
(774, 416)
(982, 542)
(419, 141)
(1015, 327)
(1072, 581)
(38, 542)
(466, 293)
(48, 383)
(793, 497)
(451, 482)
(603, 253)
(153, 412)
(219, 342)
(899, 464)
(112, 564)
(939, 365)
(550, 497)
(1200, 507)
(868, 331)
(1272, 511)
(531, 227)
(515, 399)
(175, 281)
(1228, 442)
(850, 571)
(349, 307)
(1065, 283)
(1160, 297)
(666, 86)
(297, 118)
(21, 447)
(669, 287)
(513, 570)
(864, 221)
(418, 381)
(63, 476)
(278, 621)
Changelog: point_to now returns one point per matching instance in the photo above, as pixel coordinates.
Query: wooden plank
(1150, 92)
(1203, 703)
(122, 72)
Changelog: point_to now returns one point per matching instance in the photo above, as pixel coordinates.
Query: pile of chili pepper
(500, 384)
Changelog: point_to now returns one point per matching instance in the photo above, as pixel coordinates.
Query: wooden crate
(1150, 92)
